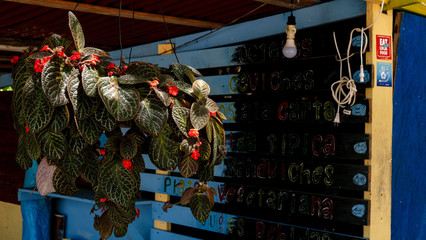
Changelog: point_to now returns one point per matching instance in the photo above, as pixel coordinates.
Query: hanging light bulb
(289, 49)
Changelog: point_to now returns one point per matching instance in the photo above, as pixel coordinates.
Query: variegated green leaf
(218, 153)
(139, 163)
(104, 225)
(211, 105)
(71, 163)
(200, 89)
(60, 119)
(64, 183)
(53, 82)
(54, 41)
(205, 172)
(32, 146)
(105, 119)
(142, 70)
(90, 78)
(184, 87)
(118, 184)
(77, 144)
(181, 72)
(188, 167)
(164, 151)
(188, 145)
(128, 148)
(131, 79)
(53, 145)
(20, 76)
(91, 167)
(76, 31)
(165, 79)
(96, 51)
(200, 207)
(120, 231)
(199, 115)
(121, 101)
(113, 143)
(163, 96)
(83, 105)
(122, 215)
(152, 116)
(37, 107)
(137, 136)
(89, 130)
(181, 117)
(205, 150)
(22, 158)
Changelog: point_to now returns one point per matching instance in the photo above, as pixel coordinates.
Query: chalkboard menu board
(290, 173)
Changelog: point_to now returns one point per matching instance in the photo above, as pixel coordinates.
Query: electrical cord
(345, 87)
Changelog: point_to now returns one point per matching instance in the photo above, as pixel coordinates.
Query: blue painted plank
(217, 222)
(222, 84)
(5, 80)
(157, 234)
(199, 59)
(409, 133)
(167, 184)
(307, 17)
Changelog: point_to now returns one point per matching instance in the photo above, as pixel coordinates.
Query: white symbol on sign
(383, 72)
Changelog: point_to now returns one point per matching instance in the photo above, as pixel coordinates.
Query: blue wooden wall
(409, 133)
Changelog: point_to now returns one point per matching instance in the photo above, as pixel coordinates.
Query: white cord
(338, 88)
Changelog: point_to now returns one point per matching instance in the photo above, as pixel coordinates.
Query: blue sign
(384, 74)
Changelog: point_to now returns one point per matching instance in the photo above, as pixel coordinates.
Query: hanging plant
(66, 95)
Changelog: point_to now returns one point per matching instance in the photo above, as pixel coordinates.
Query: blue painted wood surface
(307, 17)
(157, 234)
(409, 133)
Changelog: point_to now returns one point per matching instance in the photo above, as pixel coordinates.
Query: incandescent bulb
(289, 49)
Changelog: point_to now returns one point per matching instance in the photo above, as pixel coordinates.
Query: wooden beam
(380, 130)
(88, 8)
(9, 48)
(5, 65)
(287, 4)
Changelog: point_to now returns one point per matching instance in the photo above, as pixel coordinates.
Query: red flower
(104, 199)
(103, 209)
(128, 164)
(45, 48)
(125, 68)
(62, 54)
(193, 133)
(173, 90)
(102, 151)
(27, 129)
(45, 60)
(75, 56)
(195, 154)
(110, 65)
(212, 114)
(110, 74)
(81, 67)
(95, 59)
(38, 66)
(138, 212)
(154, 83)
(14, 60)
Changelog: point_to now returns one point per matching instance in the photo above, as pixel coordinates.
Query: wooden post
(379, 128)
(160, 197)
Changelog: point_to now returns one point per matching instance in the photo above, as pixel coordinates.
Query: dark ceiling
(25, 23)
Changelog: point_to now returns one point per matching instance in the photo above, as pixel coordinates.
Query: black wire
(133, 31)
(119, 32)
(167, 30)
(78, 2)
